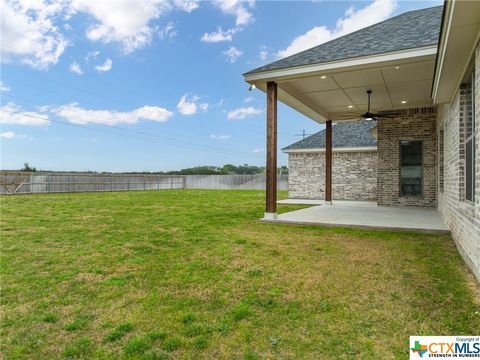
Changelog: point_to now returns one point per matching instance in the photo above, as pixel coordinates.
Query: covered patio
(393, 63)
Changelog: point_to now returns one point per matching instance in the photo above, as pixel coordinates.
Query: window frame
(441, 160)
(470, 139)
(400, 170)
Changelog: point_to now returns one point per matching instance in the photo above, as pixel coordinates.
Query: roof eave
(456, 48)
(335, 149)
(339, 65)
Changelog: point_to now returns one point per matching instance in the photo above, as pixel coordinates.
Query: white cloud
(12, 135)
(106, 66)
(29, 34)
(219, 35)
(91, 55)
(258, 150)
(78, 115)
(249, 99)
(220, 137)
(32, 29)
(4, 87)
(354, 20)
(263, 54)
(242, 113)
(13, 114)
(74, 67)
(232, 54)
(7, 135)
(187, 5)
(168, 32)
(187, 107)
(128, 22)
(240, 9)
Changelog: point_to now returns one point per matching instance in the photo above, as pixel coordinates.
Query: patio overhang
(394, 59)
(337, 90)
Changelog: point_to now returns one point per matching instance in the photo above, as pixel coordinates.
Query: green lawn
(193, 275)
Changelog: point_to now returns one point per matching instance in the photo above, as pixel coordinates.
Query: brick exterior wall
(354, 175)
(463, 217)
(409, 124)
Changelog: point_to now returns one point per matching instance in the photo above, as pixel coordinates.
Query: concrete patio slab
(367, 215)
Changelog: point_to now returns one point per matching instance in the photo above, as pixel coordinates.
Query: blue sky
(154, 85)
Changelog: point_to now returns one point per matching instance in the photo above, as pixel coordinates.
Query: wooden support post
(328, 162)
(271, 205)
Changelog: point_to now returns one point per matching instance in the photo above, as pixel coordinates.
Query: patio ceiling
(337, 91)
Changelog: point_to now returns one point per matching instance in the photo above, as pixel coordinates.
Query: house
(417, 76)
(354, 163)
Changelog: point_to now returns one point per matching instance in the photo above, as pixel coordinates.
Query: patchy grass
(193, 274)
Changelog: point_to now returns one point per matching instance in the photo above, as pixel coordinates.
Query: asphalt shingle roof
(344, 134)
(409, 30)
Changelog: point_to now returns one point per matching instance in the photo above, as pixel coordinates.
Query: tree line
(227, 169)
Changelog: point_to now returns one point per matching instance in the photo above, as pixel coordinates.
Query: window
(440, 160)
(410, 168)
(470, 138)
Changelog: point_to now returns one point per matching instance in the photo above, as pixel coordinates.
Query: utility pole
(303, 134)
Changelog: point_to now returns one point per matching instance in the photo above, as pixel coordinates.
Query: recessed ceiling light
(397, 67)
(404, 101)
(350, 106)
(323, 77)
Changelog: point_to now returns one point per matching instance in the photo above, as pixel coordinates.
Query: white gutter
(449, 5)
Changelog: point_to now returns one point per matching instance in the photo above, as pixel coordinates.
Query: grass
(194, 275)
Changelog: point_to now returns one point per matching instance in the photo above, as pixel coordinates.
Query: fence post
(49, 183)
(144, 182)
(171, 182)
(69, 182)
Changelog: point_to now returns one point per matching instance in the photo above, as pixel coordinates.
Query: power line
(97, 95)
(23, 99)
(192, 146)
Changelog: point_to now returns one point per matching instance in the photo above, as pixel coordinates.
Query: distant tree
(28, 167)
(283, 170)
(228, 169)
(201, 170)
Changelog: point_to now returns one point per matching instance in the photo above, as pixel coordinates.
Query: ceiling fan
(370, 116)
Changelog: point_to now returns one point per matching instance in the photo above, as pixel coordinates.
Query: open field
(192, 274)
